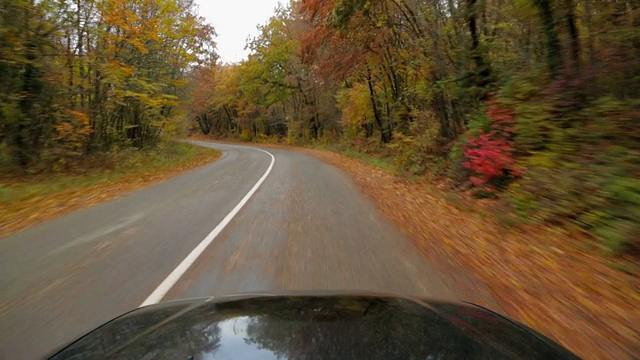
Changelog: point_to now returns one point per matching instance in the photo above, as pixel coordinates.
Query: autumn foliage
(534, 102)
(90, 77)
(491, 154)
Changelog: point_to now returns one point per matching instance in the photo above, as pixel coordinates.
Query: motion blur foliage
(489, 149)
(581, 150)
(531, 101)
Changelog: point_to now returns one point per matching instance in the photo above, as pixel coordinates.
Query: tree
(88, 75)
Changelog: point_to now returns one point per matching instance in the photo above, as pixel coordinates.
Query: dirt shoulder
(25, 202)
(546, 278)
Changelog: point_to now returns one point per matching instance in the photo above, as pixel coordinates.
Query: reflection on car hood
(312, 326)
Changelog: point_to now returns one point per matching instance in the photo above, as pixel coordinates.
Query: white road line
(177, 273)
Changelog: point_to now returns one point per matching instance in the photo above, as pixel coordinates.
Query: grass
(115, 167)
(382, 163)
(27, 200)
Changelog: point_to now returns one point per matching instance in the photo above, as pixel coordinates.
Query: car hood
(312, 326)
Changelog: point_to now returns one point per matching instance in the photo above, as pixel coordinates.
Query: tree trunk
(482, 71)
(552, 43)
(570, 19)
(385, 137)
(588, 21)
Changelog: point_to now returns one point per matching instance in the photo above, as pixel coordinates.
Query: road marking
(177, 273)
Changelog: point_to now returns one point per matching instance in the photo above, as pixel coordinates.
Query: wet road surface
(307, 226)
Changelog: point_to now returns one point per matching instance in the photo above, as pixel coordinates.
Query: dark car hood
(312, 326)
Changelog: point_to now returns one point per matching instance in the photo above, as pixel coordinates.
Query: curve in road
(291, 222)
(177, 273)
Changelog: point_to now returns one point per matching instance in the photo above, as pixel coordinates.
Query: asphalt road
(307, 226)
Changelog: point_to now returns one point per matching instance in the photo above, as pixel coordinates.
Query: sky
(234, 21)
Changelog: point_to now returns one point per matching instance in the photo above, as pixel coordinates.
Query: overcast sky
(234, 21)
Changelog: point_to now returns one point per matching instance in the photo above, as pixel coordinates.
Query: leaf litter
(550, 279)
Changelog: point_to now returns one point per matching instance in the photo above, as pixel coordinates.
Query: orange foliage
(336, 54)
(73, 134)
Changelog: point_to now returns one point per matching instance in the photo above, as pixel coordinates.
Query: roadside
(27, 201)
(543, 277)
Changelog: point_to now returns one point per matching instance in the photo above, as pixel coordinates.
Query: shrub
(455, 171)
(583, 168)
(413, 154)
(489, 154)
(246, 135)
(478, 121)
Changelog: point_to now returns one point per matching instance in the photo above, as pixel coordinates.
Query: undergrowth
(99, 169)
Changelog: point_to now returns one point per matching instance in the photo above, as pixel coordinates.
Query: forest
(535, 102)
(86, 77)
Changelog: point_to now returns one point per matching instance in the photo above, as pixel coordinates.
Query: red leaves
(490, 154)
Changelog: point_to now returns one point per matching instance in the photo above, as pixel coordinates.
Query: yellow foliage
(81, 117)
(74, 133)
(355, 104)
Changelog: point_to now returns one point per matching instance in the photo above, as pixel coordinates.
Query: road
(306, 226)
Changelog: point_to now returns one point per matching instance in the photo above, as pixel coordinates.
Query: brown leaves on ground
(539, 276)
(21, 214)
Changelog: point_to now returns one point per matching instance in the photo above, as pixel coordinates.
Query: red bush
(490, 154)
